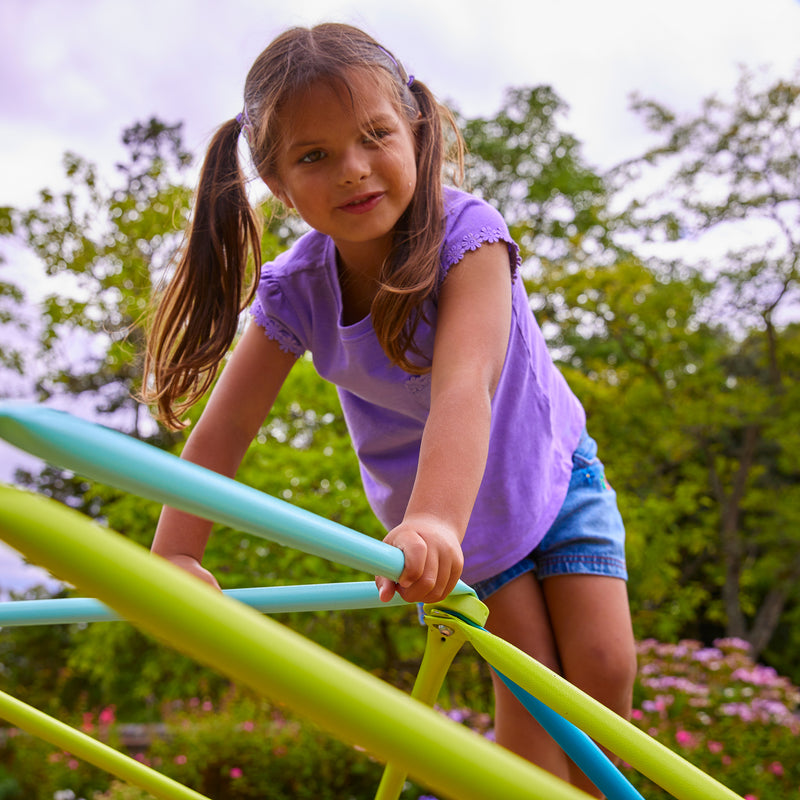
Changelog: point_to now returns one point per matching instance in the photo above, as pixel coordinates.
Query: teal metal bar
(268, 600)
(591, 760)
(113, 458)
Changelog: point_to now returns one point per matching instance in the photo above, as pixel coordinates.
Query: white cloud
(79, 73)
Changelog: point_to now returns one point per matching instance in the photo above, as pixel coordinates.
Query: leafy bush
(9, 787)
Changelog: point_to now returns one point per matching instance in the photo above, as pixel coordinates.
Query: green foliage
(723, 228)
(9, 787)
(33, 663)
(522, 162)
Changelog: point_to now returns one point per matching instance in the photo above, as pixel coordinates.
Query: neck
(358, 284)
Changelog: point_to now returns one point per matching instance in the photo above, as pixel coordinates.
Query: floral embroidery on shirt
(474, 239)
(418, 384)
(287, 341)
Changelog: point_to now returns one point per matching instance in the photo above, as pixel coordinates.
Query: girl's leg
(518, 614)
(590, 619)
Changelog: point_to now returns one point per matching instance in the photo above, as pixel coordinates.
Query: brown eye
(312, 157)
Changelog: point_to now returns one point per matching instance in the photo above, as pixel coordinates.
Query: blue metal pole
(113, 458)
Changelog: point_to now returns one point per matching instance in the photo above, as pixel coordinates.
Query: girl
(472, 448)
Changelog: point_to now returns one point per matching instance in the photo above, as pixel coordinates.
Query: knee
(606, 673)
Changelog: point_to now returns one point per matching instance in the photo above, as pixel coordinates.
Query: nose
(355, 165)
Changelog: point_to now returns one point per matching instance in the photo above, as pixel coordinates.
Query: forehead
(357, 100)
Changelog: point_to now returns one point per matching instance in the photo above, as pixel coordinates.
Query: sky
(74, 75)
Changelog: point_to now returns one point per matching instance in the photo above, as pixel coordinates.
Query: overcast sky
(74, 74)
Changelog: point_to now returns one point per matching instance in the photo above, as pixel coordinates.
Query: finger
(421, 589)
(445, 582)
(386, 588)
(415, 554)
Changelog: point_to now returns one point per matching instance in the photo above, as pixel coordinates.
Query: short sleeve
(265, 311)
(472, 222)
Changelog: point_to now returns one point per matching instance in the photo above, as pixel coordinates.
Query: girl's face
(349, 178)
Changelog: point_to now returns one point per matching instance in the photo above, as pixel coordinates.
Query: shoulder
(299, 273)
(295, 294)
(471, 222)
(307, 255)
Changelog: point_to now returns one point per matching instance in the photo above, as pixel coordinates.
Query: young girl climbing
(407, 293)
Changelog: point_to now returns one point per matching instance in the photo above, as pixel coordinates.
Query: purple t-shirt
(536, 419)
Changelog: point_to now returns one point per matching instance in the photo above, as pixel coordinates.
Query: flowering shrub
(41, 771)
(249, 748)
(734, 719)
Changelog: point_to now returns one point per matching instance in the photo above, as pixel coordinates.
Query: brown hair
(196, 320)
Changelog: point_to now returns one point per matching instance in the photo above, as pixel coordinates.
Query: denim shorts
(587, 537)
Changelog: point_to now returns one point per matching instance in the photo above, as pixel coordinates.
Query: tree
(103, 248)
(720, 364)
(523, 163)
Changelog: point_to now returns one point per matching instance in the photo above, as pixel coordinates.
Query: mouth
(362, 203)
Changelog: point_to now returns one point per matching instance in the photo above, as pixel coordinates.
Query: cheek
(408, 167)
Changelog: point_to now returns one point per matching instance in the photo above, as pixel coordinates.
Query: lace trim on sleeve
(286, 340)
(474, 239)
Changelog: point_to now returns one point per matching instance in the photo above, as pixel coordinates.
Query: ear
(276, 188)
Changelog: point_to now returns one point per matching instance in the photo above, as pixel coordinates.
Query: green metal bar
(667, 769)
(440, 649)
(88, 749)
(266, 656)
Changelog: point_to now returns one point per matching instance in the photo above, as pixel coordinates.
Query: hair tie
(244, 124)
(398, 68)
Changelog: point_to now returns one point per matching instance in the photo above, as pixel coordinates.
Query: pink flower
(107, 716)
(685, 739)
(776, 768)
(715, 747)
(248, 725)
(636, 713)
(180, 759)
(73, 763)
(236, 773)
(751, 797)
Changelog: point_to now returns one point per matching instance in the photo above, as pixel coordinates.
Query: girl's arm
(473, 325)
(238, 406)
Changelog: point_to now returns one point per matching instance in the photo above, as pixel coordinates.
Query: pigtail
(196, 319)
(411, 275)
